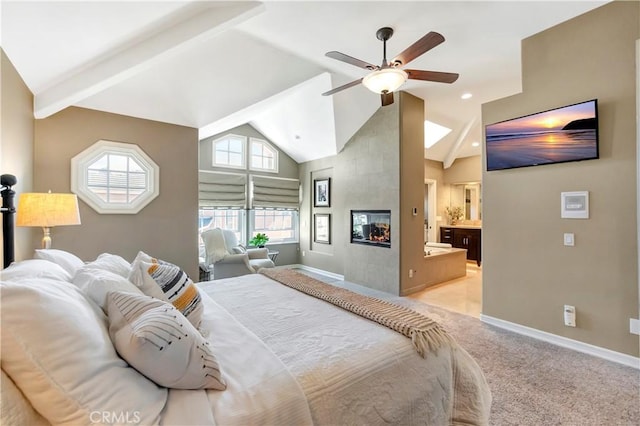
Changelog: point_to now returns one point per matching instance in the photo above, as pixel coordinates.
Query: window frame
(80, 184)
(276, 160)
(242, 220)
(243, 155)
(295, 226)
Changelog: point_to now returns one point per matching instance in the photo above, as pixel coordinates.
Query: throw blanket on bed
(425, 333)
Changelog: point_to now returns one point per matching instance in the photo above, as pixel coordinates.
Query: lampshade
(47, 210)
(386, 80)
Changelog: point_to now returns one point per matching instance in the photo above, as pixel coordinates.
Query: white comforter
(348, 370)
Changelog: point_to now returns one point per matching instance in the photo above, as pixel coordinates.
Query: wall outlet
(569, 316)
(304, 253)
(569, 240)
(410, 273)
(634, 326)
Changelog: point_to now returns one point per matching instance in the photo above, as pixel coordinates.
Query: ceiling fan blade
(440, 77)
(426, 43)
(344, 86)
(387, 98)
(350, 60)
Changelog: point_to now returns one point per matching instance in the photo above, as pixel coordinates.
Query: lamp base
(46, 239)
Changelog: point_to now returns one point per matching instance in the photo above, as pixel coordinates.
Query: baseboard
(565, 342)
(315, 270)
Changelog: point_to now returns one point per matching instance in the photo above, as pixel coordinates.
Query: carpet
(534, 382)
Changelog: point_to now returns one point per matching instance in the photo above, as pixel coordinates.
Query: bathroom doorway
(430, 202)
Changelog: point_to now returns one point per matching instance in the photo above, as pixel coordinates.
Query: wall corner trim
(565, 342)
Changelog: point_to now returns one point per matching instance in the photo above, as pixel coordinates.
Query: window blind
(217, 189)
(275, 193)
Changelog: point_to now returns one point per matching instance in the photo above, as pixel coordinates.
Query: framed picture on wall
(322, 228)
(322, 192)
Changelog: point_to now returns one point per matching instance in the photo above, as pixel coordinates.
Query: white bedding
(287, 358)
(260, 389)
(351, 370)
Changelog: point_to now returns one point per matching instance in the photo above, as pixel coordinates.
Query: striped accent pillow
(166, 281)
(160, 343)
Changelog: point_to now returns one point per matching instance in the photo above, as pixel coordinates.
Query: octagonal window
(114, 177)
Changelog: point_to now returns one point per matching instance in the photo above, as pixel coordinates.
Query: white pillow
(34, 268)
(154, 338)
(167, 282)
(57, 350)
(69, 261)
(96, 283)
(112, 263)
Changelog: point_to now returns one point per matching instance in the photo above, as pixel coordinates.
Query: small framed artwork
(575, 205)
(322, 228)
(322, 192)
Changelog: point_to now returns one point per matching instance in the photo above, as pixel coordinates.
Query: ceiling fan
(388, 77)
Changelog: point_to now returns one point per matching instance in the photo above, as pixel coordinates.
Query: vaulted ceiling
(216, 65)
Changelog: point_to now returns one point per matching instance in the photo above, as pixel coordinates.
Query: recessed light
(475, 144)
(466, 96)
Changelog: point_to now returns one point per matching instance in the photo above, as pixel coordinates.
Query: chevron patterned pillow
(161, 344)
(167, 282)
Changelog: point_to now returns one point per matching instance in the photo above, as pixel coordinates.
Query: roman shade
(275, 192)
(218, 189)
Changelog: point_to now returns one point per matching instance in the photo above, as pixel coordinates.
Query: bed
(283, 357)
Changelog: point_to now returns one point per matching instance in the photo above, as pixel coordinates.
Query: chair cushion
(230, 240)
(257, 264)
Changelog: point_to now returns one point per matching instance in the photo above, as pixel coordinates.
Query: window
(229, 151)
(263, 156)
(231, 219)
(114, 177)
(281, 226)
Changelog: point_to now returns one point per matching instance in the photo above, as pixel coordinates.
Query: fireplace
(372, 227)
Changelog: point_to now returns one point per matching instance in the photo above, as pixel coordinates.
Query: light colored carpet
(534, 382)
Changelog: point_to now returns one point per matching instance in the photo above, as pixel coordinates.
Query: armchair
(228, 258)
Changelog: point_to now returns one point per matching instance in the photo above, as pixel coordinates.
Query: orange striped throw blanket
(425, 333)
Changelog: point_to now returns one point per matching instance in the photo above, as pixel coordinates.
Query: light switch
(569, 240)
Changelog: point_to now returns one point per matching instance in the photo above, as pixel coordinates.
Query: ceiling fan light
(385, 80)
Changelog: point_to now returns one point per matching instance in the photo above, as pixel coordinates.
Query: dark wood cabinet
(466, 238)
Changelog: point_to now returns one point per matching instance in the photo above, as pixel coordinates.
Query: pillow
(152, 337)
(34, 268)
(96, 283)
(112, 263)
(239, 249)
(61, 357)
(167, 282)
(69, 261)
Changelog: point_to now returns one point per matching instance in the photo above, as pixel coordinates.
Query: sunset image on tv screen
(564, 134)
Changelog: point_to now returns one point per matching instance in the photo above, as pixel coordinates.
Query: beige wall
(411, 193)
(16, 144)
(165, 228)
(528, 275)
(463, 170)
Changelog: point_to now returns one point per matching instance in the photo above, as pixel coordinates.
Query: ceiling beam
(127, 61)
(451, 155)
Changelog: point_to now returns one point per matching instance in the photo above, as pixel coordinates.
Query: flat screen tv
(559, 135)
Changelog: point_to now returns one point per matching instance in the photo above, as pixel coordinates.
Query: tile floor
(463, 295)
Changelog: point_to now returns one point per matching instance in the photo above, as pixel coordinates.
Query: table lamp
(47, 210)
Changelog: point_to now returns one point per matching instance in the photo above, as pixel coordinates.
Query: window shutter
(276, 192)
(217, 189)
